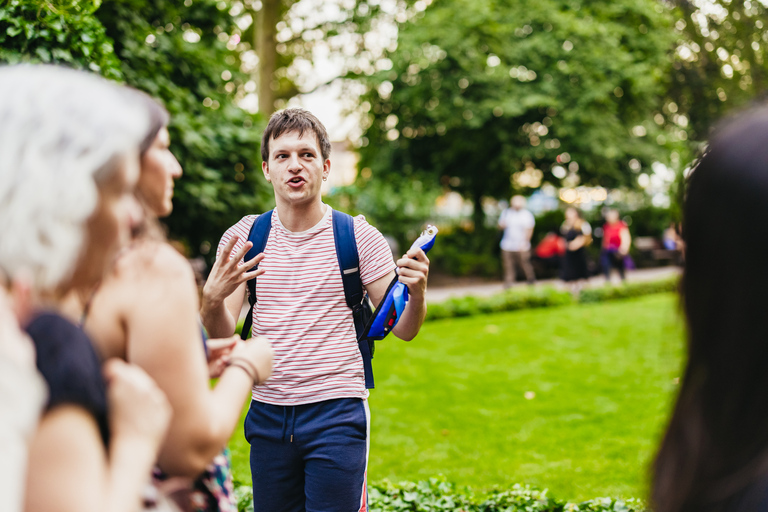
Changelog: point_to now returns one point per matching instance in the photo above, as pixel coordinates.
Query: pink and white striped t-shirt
(301, 309)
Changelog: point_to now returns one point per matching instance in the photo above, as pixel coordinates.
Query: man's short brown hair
(294, 120)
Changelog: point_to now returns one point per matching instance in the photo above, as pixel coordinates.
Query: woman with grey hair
(68, 166)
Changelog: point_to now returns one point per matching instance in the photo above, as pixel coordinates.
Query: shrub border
(439, 495)
(543, 297)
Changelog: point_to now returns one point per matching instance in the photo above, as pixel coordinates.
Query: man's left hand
(412, 270)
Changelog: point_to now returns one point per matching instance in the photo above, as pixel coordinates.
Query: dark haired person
(308, 425)
(714, 454)
(145, 311)
(578, 235)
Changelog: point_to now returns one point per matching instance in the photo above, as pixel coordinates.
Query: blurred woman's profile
(714, 454)
(69, 161)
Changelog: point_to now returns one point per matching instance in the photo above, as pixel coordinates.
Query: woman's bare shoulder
(153, 261)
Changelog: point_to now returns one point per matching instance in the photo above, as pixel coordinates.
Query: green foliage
(509, 300)
(466, 252)
(542, 297)
(244, 497)
(175, 51)
(437, 494)
(720, 63)
(216, 142)
(56, 32)
(650, 221)
(397, 208)
(627, 290)
(480, 91)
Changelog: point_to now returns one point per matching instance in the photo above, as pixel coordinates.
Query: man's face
(296, 168)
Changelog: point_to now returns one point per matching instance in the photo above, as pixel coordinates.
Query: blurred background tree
(485, 97)
(720, 61)
(181, 53)
(479, 97)
(186, 54)
(303, 45)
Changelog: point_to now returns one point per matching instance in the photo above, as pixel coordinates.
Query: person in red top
(616, 242)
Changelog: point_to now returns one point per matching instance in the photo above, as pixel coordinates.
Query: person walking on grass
(517, 223)
(308, 426)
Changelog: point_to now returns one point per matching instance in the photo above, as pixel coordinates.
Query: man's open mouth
(296, 180)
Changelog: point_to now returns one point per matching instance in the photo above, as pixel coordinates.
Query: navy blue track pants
(309, 457)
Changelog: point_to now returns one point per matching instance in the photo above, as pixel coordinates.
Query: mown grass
(453, 401)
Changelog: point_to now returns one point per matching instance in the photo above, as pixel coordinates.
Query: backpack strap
(258, 236)
(349, 264)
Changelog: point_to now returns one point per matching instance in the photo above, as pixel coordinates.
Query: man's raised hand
(227, 273)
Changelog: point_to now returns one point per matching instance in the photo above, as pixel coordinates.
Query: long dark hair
(714, 455)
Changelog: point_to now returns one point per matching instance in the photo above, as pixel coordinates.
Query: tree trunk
(265, 41)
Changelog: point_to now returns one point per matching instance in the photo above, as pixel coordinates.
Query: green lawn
(453, 401)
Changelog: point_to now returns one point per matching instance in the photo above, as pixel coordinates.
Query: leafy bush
(178, 52)
(56, 32)
(650, 221)
(627, 291)
(525, 298)
(437, 495)
(509, 300)
(463, 251)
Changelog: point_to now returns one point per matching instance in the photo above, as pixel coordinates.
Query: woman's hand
(219, 351)
(138, 409)
(258, 353)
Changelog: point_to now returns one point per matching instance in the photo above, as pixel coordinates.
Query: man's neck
(298, 218)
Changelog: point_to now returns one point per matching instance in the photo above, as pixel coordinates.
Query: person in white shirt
(517, 223)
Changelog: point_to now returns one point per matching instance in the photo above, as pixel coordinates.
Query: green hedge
(628, 291)
(510, 300)
(541, 297)
(439, 495)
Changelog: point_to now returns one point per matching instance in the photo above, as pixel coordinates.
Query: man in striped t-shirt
(308, 425)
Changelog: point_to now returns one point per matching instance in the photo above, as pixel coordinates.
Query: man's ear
(326, 168)
(265, 170)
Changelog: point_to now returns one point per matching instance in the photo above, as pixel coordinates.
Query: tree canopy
(186, 55)
(486, 96)
(720, 63)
